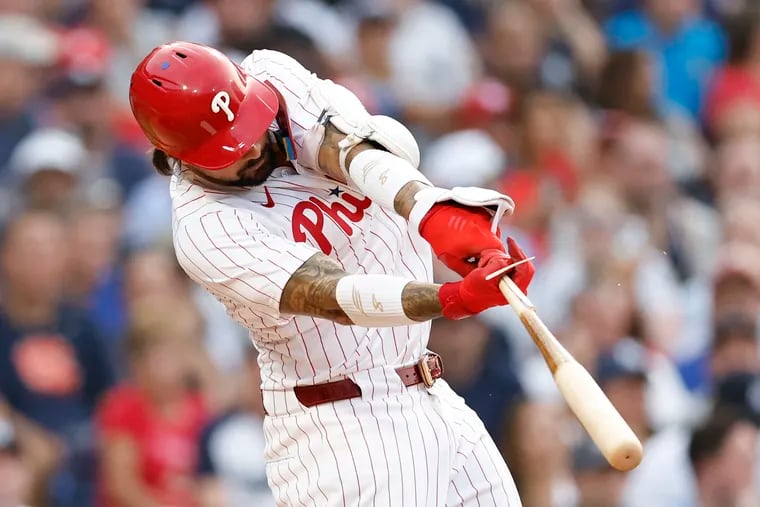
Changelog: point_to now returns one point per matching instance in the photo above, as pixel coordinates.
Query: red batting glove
(522, 274)
(458, 233)
(474, 294)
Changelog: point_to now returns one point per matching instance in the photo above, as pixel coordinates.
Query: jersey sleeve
(244, 265)
(282, 70)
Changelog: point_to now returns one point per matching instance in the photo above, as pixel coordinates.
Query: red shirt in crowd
(732, 86)
(167, 447)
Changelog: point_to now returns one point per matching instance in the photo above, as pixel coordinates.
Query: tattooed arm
(311, 291)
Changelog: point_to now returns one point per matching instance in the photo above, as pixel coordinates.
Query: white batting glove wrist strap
(380, 175)
(373, 300)
(499, 204)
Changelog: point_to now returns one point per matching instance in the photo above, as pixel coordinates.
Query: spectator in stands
(686, 48)
(148, 426)
(433, 61)
(626, 90)
(539, 454)
(94, 278)
(132, 31)
(543, 174)
(738, 392)
(738, 218)
(627, 84)
(736, 284)
(575, 48)
(735, 347)
(371, 79)
(82, 103)
(677, 224)
(26, 48)
(515, 25)
(723, 454)
(236, 27)
(27, 458)
(231, 465)
(737, 169)
(15, 480)
(712, 466)
(154, 272)
(45, 167)
(480, 367)
(52, 364)
(736, 87)
(599, 485)
(622, 375)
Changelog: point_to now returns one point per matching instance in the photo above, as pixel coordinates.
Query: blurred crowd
(627, 132)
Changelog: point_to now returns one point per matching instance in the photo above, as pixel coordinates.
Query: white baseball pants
(394, 447)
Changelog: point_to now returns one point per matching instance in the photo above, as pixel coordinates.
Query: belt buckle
(431, 368)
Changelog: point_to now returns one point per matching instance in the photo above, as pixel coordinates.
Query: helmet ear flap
(196, 105)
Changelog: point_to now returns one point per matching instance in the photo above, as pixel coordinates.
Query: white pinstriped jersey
(244, 245)
(394, 446)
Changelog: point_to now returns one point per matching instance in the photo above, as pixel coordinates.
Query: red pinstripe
(314, 457)
(350, 451)
(382, 441)
(308, 356)
(395, 435)
(242, 247)
(189, 259)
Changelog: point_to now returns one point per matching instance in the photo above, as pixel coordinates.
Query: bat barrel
(604, 424)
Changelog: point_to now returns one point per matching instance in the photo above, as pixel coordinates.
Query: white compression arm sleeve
(373, 300)
(380, 175)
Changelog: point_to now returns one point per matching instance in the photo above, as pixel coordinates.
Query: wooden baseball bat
(602, 421)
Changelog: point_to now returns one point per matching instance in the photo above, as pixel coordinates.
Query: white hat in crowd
(48, 148)
(467, 158)
(25, 39)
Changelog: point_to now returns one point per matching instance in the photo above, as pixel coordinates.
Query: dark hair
(741, 30)
(734, 326)
(161, 162)
(708, 439)
(615, 87)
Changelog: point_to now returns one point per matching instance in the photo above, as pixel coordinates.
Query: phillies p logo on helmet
(221, 102)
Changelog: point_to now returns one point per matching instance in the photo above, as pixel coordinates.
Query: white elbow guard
(346, 113)
(373, 300)
(385, 131)
(499, 204)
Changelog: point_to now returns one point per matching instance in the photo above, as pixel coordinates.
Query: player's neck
(201, 181)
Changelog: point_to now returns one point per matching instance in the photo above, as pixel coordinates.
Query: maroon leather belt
(426, 371)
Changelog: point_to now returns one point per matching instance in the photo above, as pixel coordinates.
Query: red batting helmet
(195, 104)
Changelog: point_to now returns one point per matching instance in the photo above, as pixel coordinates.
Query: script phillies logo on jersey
(309, 217)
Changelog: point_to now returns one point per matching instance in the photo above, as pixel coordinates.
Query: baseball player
(307, 217)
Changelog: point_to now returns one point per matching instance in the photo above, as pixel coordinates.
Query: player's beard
(257, 171)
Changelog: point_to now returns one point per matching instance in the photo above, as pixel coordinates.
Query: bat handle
(553, 352)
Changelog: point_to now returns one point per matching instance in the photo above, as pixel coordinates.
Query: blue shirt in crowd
(54, 375)
(684, 60)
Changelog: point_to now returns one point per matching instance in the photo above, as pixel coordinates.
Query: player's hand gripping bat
(605, 426)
